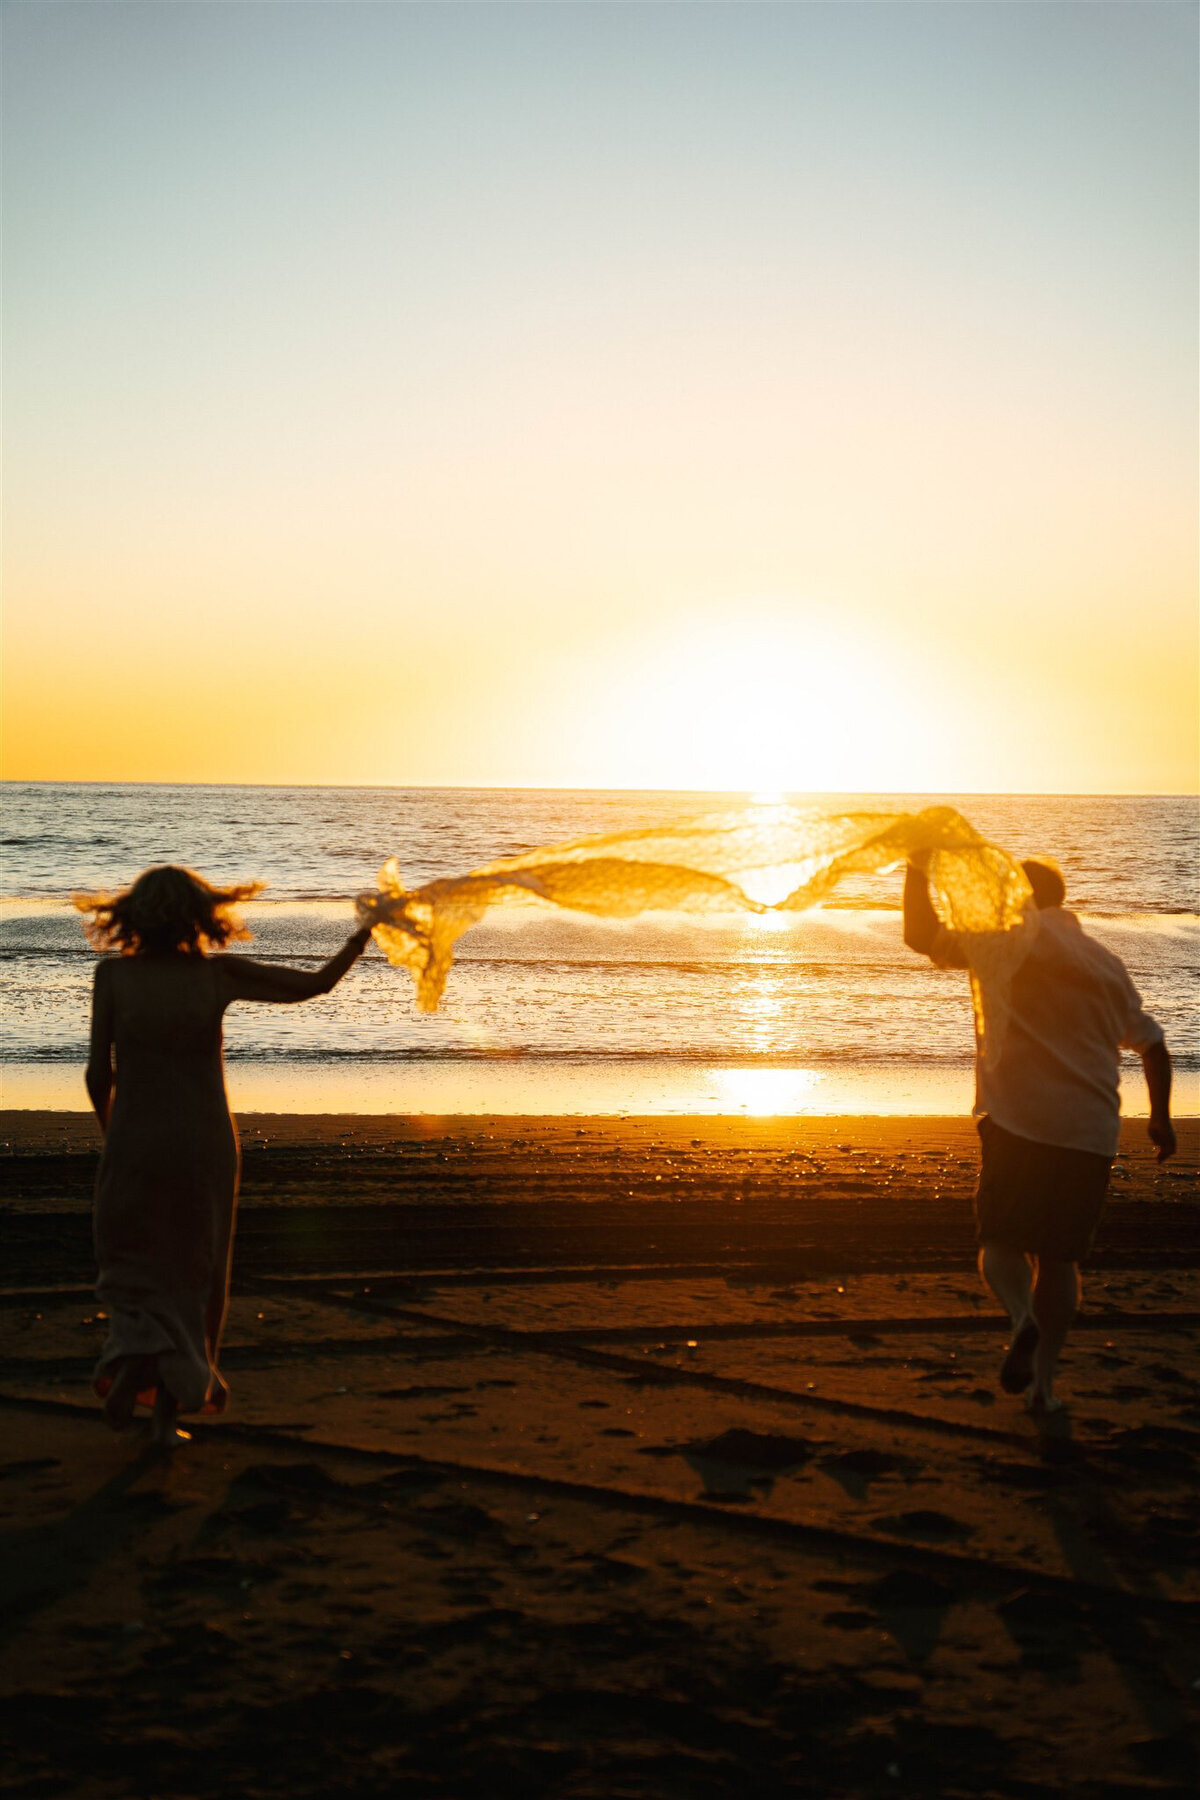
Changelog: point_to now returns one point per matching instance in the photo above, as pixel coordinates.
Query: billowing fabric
(724, 862)
(1071, 1009)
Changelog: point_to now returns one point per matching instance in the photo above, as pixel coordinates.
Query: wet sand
(606, 1458)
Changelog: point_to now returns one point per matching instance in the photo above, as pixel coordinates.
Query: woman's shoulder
(239, 975)
(137, 968)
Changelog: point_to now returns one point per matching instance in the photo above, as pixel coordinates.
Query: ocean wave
(645, 967)
(55, 896)
(716, 1053)
(51, 903)
(44, 839)
(1167, 917)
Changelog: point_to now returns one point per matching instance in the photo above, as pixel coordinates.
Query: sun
(765, 705)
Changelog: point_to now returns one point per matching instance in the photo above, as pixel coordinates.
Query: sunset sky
(720, 395)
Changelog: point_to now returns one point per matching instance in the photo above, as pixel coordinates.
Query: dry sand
(606, 1458)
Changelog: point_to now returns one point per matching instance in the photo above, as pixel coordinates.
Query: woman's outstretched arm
(98, 1076)
(250, 980)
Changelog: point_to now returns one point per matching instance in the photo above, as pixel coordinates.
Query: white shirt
(1073, 1009)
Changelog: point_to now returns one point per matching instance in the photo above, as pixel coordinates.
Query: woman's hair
(166, 909)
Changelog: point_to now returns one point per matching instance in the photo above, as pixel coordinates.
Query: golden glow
(391, 407)
(754, 1001)
(771, 923)
(763, 1092)
(725, 697)
(766, 698)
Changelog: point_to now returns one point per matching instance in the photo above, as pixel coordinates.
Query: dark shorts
(1040, 1198)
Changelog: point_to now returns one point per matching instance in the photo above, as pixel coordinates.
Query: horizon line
(620, 788)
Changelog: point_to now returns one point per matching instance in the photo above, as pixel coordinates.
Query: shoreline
(520, 1087)
(401, 1195)
(35, 1130)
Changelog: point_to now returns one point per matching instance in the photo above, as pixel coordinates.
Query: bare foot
(121, 1398)
(1039, 1403)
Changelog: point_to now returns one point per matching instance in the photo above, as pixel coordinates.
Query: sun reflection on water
(756, 1002)
(763, 1092)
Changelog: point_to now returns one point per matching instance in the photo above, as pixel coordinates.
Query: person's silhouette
(167, 1184)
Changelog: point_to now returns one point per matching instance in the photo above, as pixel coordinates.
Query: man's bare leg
(163, 1428)
(1055, 1303)
(1008, 1274)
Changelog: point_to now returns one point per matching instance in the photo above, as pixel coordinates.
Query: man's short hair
(1049, 888)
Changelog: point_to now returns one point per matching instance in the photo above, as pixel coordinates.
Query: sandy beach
(583, 1457)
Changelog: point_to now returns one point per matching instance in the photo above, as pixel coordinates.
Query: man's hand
(1162, 1133)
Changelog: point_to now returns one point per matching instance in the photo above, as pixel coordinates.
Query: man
(1048, 1109)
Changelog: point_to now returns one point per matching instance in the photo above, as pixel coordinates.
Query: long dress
(166, 1190)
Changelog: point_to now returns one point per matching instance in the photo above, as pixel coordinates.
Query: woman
(167, 1183)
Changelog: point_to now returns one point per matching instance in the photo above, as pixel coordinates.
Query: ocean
(548, 1012)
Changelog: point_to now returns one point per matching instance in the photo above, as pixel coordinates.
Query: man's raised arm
(920, 920)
